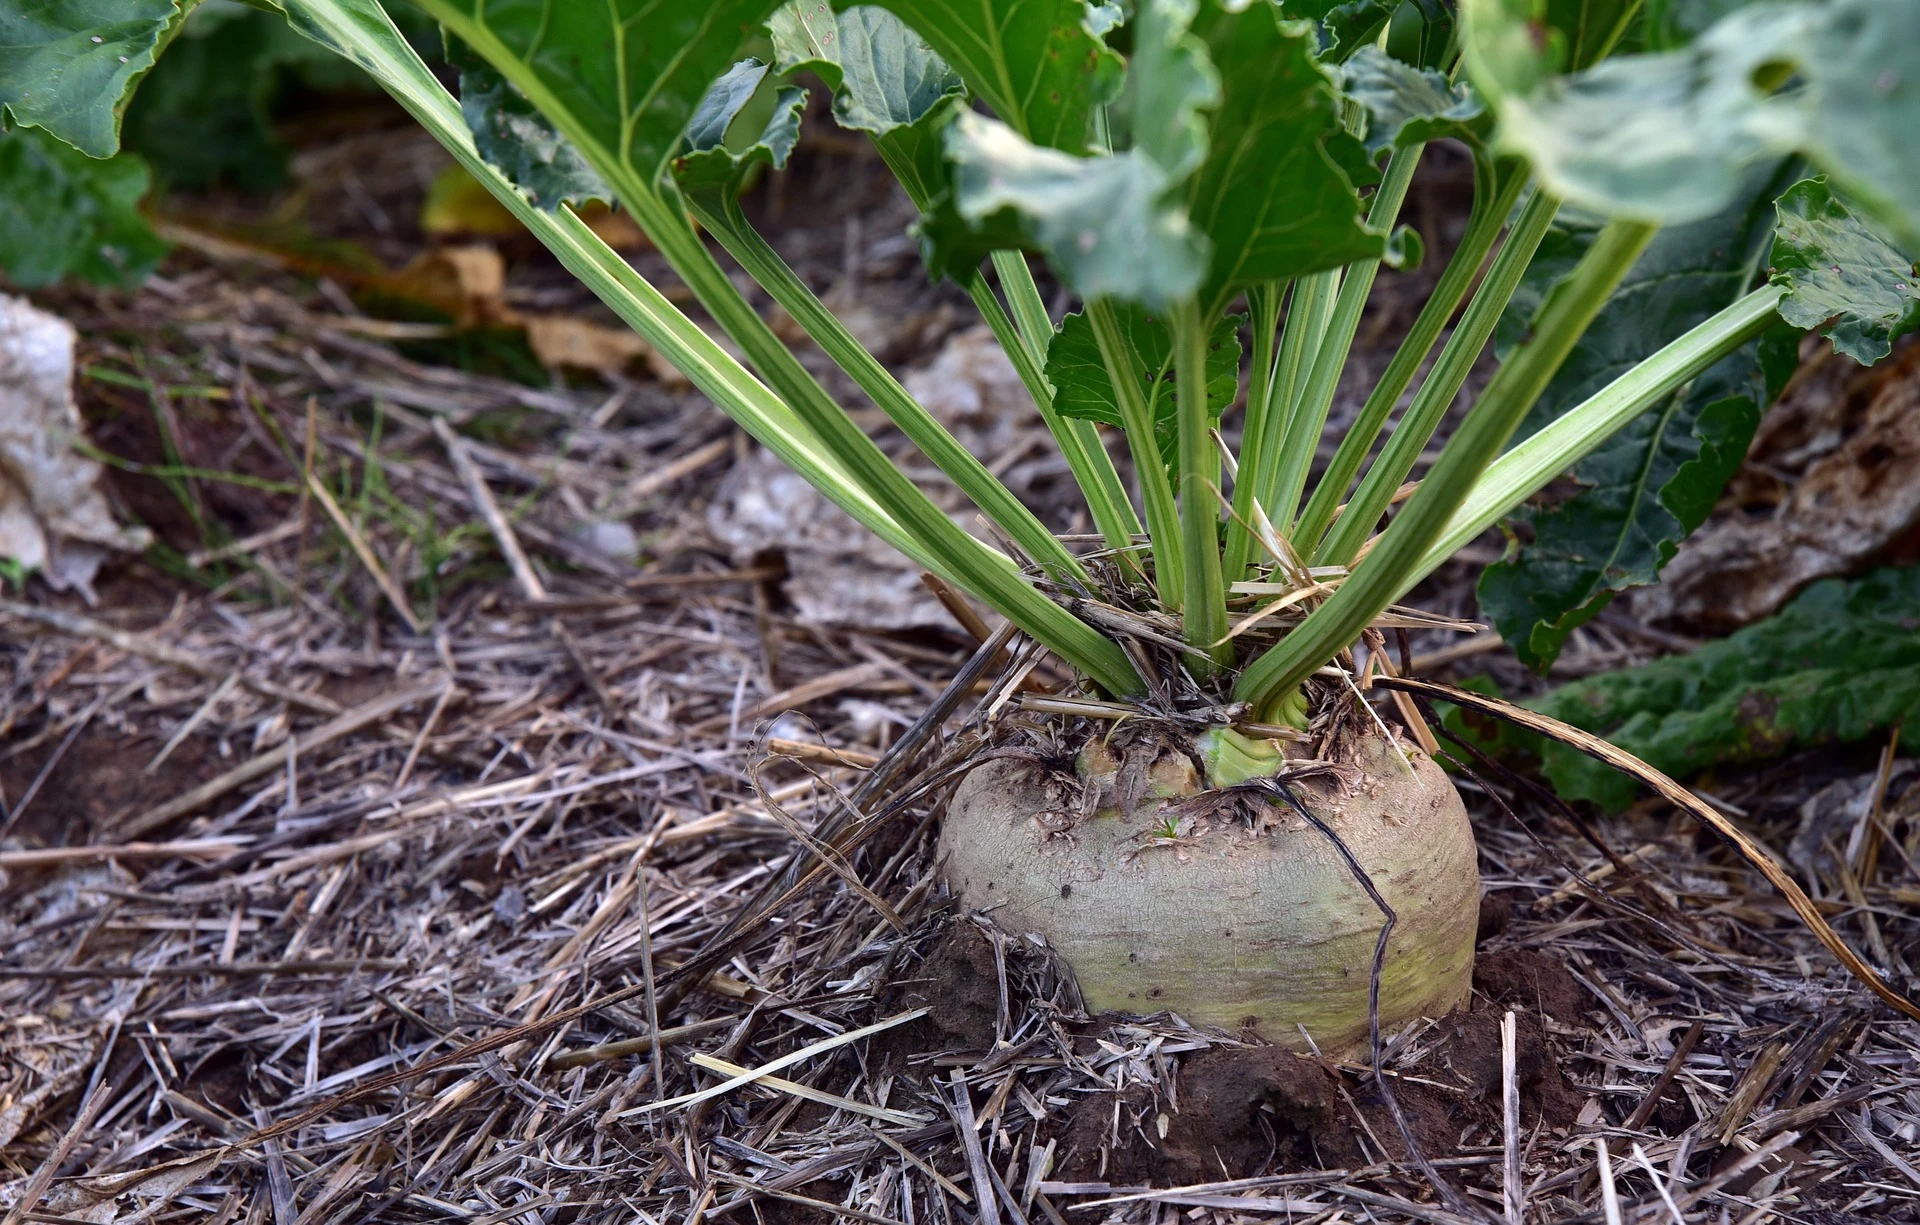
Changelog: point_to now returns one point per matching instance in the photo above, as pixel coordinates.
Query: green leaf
(625, 76)
(1407, 105)
(1841, 276)
(1100, 221)
(1038, 63)
(518, 140)
(1666, 137)
(1082, 389)
(887, 81)
(1652, 483)
(883, 75)
(1112, 225)
(69, 66)
(1271, 198)
(1839, 664)
(722, 140)
(66, 214)
(205, 113)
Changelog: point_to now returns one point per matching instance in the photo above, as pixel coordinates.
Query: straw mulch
(267, 844)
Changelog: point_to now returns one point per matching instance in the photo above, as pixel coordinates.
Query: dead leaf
(468, 283)
(1855, 502)
(575, 343)
(53, 517)
(457, 205)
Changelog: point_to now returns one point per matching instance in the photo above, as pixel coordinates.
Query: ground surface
(266, 842)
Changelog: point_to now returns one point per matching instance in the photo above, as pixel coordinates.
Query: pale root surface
(1235, 927)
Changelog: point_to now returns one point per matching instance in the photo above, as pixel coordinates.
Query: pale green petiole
(1263, 305)
(1205, 605)
(1269, 422)
(960, 465)
(1079, 440)
(1308, 421)
(1532, 465)
(1442, 384)
(1156, 492)
(1491, 206)
(1382, 577)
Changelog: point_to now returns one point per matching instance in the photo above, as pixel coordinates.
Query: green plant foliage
(205, 113)
(1840, 663)
(722, 143)
(1666, 137)
(1408, 106)
(1842, 276)
(1272, 197)
(63, 213)
(1040, 64)
(72, 64)
(887, 81)
(1079, 374)
(882, 74)
(1650, 485)
(517, 138)
(1113, 225)
(625, 76)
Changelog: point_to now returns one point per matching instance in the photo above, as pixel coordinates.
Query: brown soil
(1523, 978)
(1242, 1111)
(99, 780)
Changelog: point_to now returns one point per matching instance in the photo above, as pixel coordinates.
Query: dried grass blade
(1680, 797)
(785, 1061)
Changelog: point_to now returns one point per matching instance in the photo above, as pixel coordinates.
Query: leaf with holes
(1666, 137)
(1842, 276)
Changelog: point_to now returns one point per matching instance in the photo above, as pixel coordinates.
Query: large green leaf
(519, 140)
(1102, 222)
(1842, 276)
(1407, 105)
(625, 76)
(1037, 63)
(1666, 137)
(887, 81)
(1840, 663)
(1078, 372)
(1112, 225)
(883, 75)
(1271, 198)
(733, 130)
(1651, 484)
(69, 65)
(63, 213)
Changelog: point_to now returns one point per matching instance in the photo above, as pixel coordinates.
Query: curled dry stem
(1625, 762)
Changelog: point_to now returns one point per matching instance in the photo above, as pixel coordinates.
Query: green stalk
(1163, 520)
(1079, 439)
(971, 565)
(1308, 421)
(1263, 303)
(1531, 465)
(1491, 207)
(1307, 315)
(1443, 383)
(774, 275)
(1387, 573)
(1204, 619)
